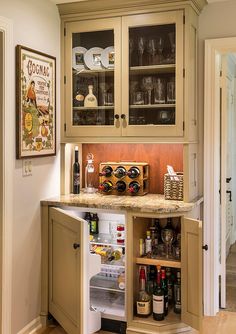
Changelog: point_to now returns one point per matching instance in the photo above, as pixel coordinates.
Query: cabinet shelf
(158, 261)
(153, 69)
(170, 319)
(94, 108)
(98, 71)
(151, 106)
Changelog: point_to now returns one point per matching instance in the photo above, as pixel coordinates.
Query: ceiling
(65, 1)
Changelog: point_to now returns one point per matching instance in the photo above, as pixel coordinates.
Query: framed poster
(35, 103)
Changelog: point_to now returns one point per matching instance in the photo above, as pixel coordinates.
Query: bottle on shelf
(79, 98)
(169, 279)
(151, 279)
(120, 172)
(158, 299)
(106, 171)
(76, 172)
(133, 172)
(90, 100)
(154, 237)
(141, 247)
(94, 223)
(165, 290)
(120, 237)
(106, 186)
(177, 293)
(143, 303)
(148, 244)
(87, 217)
(134, 187)
(120, 186)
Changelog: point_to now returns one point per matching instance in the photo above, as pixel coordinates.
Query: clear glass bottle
(89, 174)
(90, 100)
(143, 303)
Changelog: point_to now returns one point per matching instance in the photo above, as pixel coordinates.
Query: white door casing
(214, 48)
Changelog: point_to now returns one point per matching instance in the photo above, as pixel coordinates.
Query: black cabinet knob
(117, 116)
(228, 179)
(205, 247)
(122, 116)
(75, 246)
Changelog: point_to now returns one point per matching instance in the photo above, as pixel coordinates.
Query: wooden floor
(223, 323)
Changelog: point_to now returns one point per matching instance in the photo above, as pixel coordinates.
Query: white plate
(92, 58)
(78, 57)
(108, 57)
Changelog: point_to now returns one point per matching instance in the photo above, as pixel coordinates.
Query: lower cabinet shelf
(158, 261)
(171, 318)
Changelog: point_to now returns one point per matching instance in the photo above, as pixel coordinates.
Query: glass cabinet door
(153, 74)
(92, 90)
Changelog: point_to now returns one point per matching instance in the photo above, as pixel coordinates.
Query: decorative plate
(78, 57)
(92, 58)
(108, 57)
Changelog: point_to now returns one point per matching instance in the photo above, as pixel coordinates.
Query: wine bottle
(94, 223)
(158, 298)
(120, 186)
(133, 172)
(134, 187)
(76, 173)
(120, 172)
(106, 171)
(169, 280)
(106, 186)
(143, 303)
(165, 290)
(148, 244)
(90, 99)
(177, 293)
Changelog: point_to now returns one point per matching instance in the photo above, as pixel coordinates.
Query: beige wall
(36, 24)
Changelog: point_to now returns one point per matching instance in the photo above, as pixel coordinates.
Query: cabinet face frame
(190, 228)
(154, 19)
(92, 26)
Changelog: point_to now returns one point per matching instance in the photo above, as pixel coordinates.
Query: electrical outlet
(26, 167)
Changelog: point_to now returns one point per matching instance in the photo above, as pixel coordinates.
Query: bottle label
(158, 304)
(148, 245)
(76, 179)
(93, 226)
(144, 307)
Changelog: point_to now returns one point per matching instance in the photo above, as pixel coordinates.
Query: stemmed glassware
(151, 49)
(131, 49)
(141, 48)
(167, 236)
(171, 57)
(148, 85)
(160, 48)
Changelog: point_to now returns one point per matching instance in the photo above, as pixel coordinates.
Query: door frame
(214, 48)
(7, 174)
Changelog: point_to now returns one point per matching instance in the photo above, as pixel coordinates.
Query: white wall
(36, 25)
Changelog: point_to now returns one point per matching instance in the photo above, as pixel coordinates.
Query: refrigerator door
(70, 267)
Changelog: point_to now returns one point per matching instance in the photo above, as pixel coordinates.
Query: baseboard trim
(32, 327)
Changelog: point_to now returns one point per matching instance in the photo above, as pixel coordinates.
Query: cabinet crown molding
(90, 6)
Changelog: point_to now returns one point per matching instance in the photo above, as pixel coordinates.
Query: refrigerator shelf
(107, 283)
(106, 240)
(107, 289)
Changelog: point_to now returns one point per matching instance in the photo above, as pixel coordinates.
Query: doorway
(219, 164)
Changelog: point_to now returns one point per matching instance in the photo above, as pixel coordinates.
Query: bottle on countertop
(134, 187)
(143, 303)
(90, 100)
(133, 172)
(76, 172)
(158, 299)
(120, 186)
(89, 174)
(106, 171)
(106, 186)
(94, 223)
(120, 172)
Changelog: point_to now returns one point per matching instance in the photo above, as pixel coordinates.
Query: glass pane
(93, 62)
(152, 79)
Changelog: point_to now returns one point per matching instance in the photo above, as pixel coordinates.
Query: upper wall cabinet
(130, 76)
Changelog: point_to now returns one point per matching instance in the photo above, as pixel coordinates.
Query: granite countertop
(152, 203)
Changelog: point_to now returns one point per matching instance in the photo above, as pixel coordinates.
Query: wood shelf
(152, 69)
(151, 106)
(159, 261)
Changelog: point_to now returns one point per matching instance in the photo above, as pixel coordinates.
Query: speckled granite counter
(152, 203)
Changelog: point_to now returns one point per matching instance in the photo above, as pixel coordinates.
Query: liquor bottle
(143, 303)
(151, 281)
(141, 247)
(90, 99)
(120, 172)
(177, 293)
(165, 290)
(106, 171)
(120, 186)
(106, 186)
(134, 187)
(148, 244)
(94, 223)
(76, 173)
(158, 298)
(133, 172)
(169, 279)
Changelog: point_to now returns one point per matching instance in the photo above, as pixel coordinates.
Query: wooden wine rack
(142, 179)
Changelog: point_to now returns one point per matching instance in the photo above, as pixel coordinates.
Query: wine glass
(171, 36)
(151, 49)
(131, 49)
(167, 236)
(148, 85)
(141, 48)
(160, 48)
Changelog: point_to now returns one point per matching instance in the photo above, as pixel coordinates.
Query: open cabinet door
(70, 266)
(191, 272)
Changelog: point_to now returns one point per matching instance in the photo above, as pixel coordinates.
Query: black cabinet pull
(117, 116)
(230, 194)
(228, 179)
(205, 247)
(122, 116)
(75, 246)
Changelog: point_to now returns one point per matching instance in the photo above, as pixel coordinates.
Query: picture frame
(35, 103)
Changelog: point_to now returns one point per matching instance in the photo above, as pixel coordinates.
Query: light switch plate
(27, 167)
